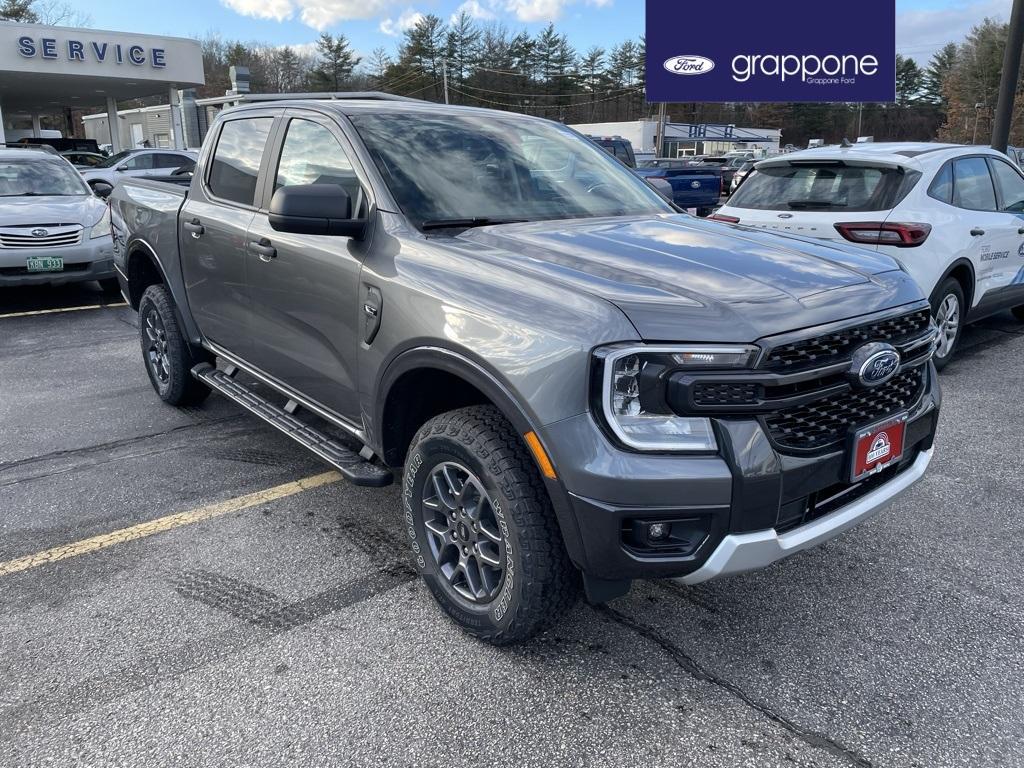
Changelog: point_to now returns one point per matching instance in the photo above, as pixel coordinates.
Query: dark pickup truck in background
(575, 384)
(692, 185)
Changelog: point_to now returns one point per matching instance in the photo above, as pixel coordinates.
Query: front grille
(22, 237)
(828, 420)
(839, 345)
(726, 393)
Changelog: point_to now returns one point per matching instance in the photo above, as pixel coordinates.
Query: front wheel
(482, 528)
(166, 352)
(948, 311)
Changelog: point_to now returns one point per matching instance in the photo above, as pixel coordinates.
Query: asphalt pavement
(172, 595)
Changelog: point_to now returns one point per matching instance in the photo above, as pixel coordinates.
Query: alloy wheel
(463, 532)
(948, 321)
(156, 346)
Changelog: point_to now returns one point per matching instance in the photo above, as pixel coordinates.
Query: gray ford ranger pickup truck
(578, 385)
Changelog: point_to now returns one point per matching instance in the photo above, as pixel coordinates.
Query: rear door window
(972, 185)
(1010, 185)
(825, 187)
(166, 160)
(236, 160)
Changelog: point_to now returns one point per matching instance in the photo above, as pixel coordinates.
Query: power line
(537, 95)
(547, 107)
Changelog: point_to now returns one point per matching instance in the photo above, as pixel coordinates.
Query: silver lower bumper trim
(741, 552)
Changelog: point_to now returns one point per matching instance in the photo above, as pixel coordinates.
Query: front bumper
(92, 259)
(742, 509)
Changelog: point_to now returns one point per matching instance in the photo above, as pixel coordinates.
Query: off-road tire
(950, 289)
(172, 378)
(539, 583)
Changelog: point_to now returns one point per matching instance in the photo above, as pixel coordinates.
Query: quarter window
(1010, 185)
(942, 186)
(972, 185)
(236, 160)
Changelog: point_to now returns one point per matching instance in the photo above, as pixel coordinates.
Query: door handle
(976, 232)
(1020, 230)
(263, 249)
(195, 227)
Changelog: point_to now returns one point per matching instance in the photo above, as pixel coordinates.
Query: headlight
(633, 390)
(101, 227)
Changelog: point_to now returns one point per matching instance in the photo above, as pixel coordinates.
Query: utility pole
(659, 139)
(1008, 82)
(860, 119)
(444, 76)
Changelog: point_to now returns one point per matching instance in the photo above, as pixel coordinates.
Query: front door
(212, 233)
(1008, 269)
(304, 288)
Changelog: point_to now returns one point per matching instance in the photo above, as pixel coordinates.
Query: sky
(922, 26)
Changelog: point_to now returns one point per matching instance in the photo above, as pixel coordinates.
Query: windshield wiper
(814, 204)
(28, 194)
(465, 223)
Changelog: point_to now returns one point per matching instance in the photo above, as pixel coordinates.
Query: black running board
(350, 464)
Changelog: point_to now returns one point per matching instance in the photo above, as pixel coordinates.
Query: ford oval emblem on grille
(874, 364)
(695, 184)
(39, 233)
(785, 215)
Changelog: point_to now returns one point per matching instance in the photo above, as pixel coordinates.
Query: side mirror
(315, 209)
(102, 189)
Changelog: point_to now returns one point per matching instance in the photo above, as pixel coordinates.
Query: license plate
(45, 264)
(878, 446)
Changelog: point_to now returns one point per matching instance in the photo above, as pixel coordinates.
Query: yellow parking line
(63, 309)
(166, 523)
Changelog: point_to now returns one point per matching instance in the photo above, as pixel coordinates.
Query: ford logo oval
(39, 233)
(695, 185)
(874, 364)
(689, 65)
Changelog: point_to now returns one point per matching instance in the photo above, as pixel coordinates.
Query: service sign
(794, 50)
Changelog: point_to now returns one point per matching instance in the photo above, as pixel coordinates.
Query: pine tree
(18, 10)
(335, 62)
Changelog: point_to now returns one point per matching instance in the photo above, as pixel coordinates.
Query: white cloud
(545, 10)
(408, 19)
(262, 9)
(920, 33)
(318, 14)
(475, 10)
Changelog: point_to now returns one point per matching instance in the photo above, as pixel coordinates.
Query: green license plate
(45, 264)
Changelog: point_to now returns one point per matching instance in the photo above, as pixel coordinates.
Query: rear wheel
(482, 529)
(165, 351)
(948, 310)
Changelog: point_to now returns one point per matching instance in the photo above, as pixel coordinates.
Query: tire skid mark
(698, 672)
(192, 656)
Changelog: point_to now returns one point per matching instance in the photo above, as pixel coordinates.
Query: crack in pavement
(690, 665)
(114, 444)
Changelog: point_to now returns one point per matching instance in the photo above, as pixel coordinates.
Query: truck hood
(678, 278)
(63, 209)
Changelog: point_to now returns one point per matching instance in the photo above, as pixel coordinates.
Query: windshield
(824, 187)
(487, 168)
(114, 159)
(25, 178)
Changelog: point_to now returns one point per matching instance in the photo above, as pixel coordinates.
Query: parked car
(52, 228)
(1016, 154)
(138, 162)
(728, 166)
(617, 147)
(581, 384)
(952, 215)
(84, 160)
(692, 186)
(741, 174)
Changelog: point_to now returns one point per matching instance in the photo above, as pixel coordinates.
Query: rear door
(305, 288)
(984, 229)
(212, 231)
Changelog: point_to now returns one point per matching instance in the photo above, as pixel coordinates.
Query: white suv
(952, 215)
